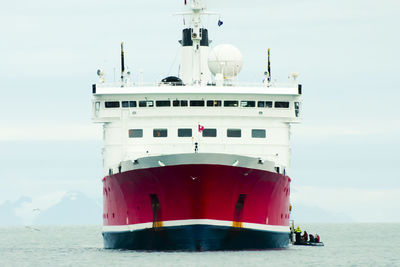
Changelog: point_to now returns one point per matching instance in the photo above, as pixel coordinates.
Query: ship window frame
(179, 103)
(112, 104)
(264, 104)
(163, 103)
(254, 135)
(206, 132)
(135, 133)
(232, 133)
(181, 133)
(214, 103)
(160, 132)
(197, 103)
(148, 103)
(297, 108)
(245, 103)
(231, 103)
(282, 104)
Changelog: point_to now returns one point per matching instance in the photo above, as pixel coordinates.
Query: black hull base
(196, 238)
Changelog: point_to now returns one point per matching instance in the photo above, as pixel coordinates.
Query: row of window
(207, 132)
(196, 103)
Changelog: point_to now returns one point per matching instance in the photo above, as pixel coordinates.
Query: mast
(197, 8)
(195, 47)
(122, 65)
(267, 73)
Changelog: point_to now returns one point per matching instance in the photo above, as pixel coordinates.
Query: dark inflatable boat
(308, 243)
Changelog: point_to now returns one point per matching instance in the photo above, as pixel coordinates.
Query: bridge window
(111, 104)
(231, 103)
(135, 133)
(132, 104)
(160, 133)
(185, 132)
(125, 104)
(197, 103)
(163, 103)
(234, 133)
(180, 103)
(282, 104)
(264, 104)
(210, 132)
(258, 133)
(214, 103)
(146, 103)
(248, 104)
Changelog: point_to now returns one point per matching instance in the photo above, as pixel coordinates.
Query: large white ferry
(199, 161)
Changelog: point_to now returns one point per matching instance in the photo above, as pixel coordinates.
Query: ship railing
(160, 84)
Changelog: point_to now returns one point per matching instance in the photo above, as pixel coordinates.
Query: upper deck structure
(164, 119)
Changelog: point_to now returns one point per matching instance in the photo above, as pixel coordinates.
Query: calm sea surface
(345, 245)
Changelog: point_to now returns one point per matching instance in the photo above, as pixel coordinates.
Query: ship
(197, 161)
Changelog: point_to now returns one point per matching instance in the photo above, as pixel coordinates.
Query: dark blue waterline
(195, 238)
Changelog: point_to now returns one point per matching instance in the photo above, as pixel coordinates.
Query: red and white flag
(201, 128)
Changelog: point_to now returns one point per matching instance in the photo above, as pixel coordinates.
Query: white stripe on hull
(141, 226)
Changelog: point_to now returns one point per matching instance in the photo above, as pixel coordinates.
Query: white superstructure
(197, 112)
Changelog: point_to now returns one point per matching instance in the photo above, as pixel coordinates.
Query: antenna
(269, 66)
(267, 74)
(122, 63)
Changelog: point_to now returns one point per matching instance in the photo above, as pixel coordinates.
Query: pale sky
(344, 154)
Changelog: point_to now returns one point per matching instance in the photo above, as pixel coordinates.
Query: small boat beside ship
(309, 243)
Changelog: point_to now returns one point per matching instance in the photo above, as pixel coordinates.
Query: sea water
(345, 245)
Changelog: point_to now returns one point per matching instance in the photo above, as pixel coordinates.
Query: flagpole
(197, 139)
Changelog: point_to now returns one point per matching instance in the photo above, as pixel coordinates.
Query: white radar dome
(225, 60)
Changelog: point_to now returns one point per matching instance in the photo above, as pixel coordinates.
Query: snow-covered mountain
(8, 215)
(73, 209)
(68, 208)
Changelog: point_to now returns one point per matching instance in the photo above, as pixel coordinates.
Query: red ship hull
(196, 207)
